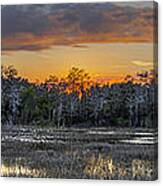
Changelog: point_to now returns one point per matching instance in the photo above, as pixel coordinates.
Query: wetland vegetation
(76, 128)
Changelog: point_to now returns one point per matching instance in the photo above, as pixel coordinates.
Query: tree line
(76, 102)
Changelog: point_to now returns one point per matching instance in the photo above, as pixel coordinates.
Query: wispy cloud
(142, 63)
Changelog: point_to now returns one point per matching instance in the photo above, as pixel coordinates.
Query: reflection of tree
(74, 102)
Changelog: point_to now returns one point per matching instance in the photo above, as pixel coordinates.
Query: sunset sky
(108, 40)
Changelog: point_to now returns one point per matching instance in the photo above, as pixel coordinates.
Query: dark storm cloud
(37, 27)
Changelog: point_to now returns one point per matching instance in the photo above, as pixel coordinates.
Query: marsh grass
(76, 154)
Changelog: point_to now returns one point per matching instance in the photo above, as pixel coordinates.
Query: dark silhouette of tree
(73, 102)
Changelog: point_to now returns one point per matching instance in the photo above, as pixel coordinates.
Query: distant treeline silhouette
(75, 102)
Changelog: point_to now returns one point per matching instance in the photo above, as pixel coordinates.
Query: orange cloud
(38, 27)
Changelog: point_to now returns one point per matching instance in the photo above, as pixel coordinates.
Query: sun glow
(104, 62)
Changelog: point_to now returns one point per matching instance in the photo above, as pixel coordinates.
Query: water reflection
(84, 154)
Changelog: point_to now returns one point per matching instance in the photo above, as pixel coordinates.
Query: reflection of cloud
(142, 63)
(38, 27)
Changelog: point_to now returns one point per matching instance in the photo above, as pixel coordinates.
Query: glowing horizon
(107, 40)
(112, 61)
